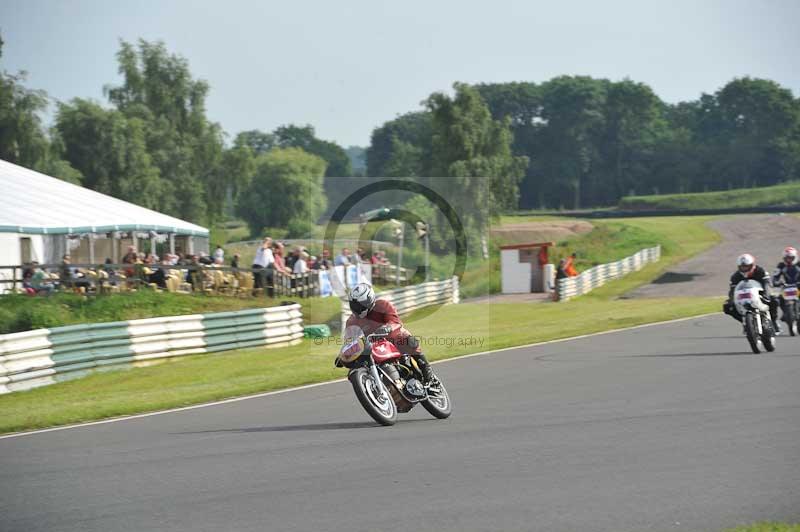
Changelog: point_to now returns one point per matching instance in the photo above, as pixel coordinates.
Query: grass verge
(774, 196)
(766, 527)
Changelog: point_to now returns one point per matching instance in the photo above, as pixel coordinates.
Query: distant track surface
(708, 274)
(669, 427)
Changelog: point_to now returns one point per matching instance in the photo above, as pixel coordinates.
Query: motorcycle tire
(791, 319)
(438, 403)
(752, 332)
(768, 336)
(374, 397)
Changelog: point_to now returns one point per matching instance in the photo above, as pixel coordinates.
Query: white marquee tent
(43, 217)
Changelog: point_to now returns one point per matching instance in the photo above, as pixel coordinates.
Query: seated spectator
(205, 259)
(343, 259)
(40, 281)
(131, 256)
(27, 286)
(159, 275)
(312, 262)
(361, 255)
(112, 274)
(379, 257)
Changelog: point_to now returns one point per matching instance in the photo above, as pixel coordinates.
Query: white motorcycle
(755, 315)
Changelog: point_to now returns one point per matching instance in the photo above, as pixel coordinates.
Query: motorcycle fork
(759, 328)
(373, 371)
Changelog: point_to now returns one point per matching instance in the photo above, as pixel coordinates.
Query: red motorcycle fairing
(384, 350)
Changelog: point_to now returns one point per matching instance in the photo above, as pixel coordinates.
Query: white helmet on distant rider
(746, 263)
(361, 299)
(790, 256)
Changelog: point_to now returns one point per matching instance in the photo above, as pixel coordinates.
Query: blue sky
(346, 67)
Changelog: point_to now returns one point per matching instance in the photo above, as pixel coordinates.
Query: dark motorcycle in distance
(790, 310)
(386, 381)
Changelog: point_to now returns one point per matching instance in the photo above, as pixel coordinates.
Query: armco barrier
(44, 356)
(601, 274)
(415, 297)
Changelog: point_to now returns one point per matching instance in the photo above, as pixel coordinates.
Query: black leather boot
(425, 368)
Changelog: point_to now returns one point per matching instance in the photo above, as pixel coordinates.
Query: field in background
(446, 332)
(776, 196)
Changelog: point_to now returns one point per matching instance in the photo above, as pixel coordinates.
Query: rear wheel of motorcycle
(752, 332)
(438, 403)
(374, 397)
(791, 319)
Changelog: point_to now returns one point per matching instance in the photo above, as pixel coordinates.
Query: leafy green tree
(110, 152)
(184, 145)
(412, 131)
(22, 139)
(468, 145)
(286, 191)
(258, 141)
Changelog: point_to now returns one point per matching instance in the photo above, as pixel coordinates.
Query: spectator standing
(219, 254)
(569, 267)
(325, 262)
(293, 257)
(235, 263)
(343, 259)
(263, 263)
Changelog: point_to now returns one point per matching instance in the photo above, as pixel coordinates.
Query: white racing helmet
(361, 299)
(746, 263)
(790, 256)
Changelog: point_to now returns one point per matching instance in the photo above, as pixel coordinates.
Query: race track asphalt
(662, 428)
(708, 273)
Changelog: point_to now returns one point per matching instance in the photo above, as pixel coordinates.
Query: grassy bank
(22, 313)
(767, 527)
(774, 196)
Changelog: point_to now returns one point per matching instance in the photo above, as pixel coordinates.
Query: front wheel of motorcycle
(752, 332)
(374, 397)
(438, 402)
(768, 336)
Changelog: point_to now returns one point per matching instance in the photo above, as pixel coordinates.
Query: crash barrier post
(44, 356)
(599, 275)
(411, 298)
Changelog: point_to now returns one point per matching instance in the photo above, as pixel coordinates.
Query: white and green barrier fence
(601, 274)
(415, 297)
(44, 356)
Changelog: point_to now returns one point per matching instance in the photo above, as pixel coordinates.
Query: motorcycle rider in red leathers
(380, 316)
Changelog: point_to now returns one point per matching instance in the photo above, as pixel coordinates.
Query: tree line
(570, 142)
(592, 141)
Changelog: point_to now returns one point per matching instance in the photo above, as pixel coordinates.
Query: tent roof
(36, 203)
